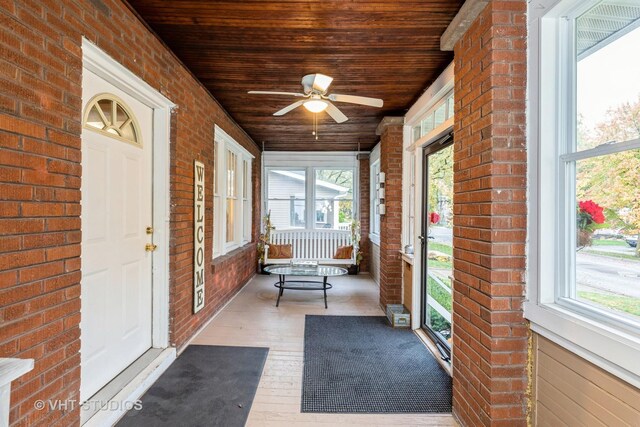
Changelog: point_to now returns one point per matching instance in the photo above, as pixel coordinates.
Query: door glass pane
(439, 243)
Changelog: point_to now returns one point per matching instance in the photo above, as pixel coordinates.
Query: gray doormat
(360, 364)
(205, 386)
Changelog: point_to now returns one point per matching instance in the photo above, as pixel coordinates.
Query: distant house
(286, 201)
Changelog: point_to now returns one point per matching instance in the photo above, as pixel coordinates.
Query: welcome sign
(198, 236)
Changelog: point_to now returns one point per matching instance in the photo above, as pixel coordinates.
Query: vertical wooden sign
(198, 236)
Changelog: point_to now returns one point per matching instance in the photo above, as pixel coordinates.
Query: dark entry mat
(360, 364)
(205, 386)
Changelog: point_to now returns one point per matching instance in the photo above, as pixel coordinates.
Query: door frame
(438, 143)
(100, 63)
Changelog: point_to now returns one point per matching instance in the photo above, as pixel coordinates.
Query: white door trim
(100, 63)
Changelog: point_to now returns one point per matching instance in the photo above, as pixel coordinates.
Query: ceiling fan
(316, 99)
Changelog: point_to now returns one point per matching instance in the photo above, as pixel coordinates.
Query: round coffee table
(323, 271)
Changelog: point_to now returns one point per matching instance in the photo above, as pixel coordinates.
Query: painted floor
(252, 319)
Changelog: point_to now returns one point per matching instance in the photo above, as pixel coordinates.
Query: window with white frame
(411, 214)
(435, 117)
(231, 194)
(326, 200)
(247, 208)
(585, 121)
(375, 201)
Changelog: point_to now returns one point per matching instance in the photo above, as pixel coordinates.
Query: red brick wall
(490, 334)
(365, 208)
(391, 221)
(40, 175)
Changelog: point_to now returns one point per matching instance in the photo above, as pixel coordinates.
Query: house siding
(568, 390)
(40, 178)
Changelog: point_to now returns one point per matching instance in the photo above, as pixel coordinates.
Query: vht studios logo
(93, 405)
(198, 236)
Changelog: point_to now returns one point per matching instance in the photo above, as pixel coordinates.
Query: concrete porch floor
(252, 320)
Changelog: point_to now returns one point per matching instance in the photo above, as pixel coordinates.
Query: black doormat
(205, 386)
(360, 364)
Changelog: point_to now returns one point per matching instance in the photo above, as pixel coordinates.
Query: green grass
(445, 249)
(608, 242)
(612, 255)
(620, 303)
(439, 264)
(437, 293)
(440, 247)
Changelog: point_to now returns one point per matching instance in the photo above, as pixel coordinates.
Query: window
(247, 207)
(411, 219)
(334, 198)
(435, 117)
(232, 163)
(109, 115)
(231, 194)
(432, 119)
(586, 180)
(328, 197)
(375, 201)
(286, 195)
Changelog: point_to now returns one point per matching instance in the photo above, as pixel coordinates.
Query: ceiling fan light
(315, 105)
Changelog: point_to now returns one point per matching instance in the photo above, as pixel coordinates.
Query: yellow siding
(571, 391)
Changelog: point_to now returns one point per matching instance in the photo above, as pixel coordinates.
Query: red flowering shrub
(434, 218)
(589, 213)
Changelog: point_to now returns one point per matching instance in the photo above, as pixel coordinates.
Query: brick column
(390, 131)
(365, 208)
(490, 334)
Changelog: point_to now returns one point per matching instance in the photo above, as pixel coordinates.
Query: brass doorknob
(150, 247)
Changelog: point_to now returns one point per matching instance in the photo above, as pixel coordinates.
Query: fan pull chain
(315, 126)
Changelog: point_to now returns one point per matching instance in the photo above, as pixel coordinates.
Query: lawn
(440, 247)
(436, 292)
(612, 255)
(445, 249)
(608, 242)
(620, 303)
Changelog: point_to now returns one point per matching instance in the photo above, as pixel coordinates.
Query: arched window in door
(109, 115)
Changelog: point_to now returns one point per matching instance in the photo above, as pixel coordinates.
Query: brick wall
(40, 176)
(490, 334)
(365, 208)
(391, 221)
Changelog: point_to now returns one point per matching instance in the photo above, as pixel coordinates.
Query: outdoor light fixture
(315, 105)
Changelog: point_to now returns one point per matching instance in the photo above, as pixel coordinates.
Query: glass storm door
(437, 243)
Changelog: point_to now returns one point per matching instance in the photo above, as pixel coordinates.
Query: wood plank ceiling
(383, 49)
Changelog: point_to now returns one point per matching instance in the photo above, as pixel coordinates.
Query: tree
(613, 181)
(344, 178)
(440, 191)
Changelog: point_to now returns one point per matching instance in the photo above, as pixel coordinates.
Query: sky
(609, 77)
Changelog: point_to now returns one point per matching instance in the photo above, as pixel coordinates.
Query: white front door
(116, 287)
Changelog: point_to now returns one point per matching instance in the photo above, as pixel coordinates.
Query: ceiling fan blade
(288, 108)
(267, 92)
(362, 100)
(322, 82)
(335, 113)
(317, 81)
